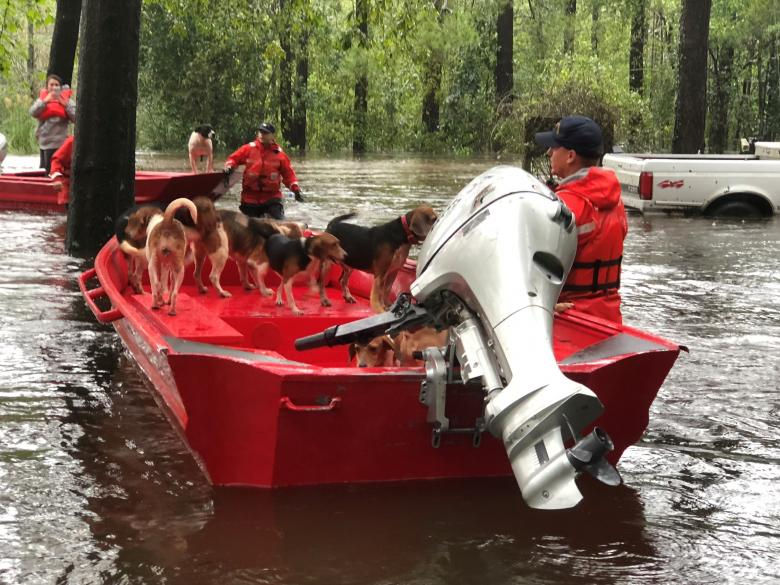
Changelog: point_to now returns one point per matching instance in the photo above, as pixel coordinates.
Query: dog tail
(339, 219)
(131, 250)
(170, 211)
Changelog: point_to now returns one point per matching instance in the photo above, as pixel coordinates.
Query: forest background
(431, 76)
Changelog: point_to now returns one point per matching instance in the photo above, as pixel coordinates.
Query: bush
(17, 124)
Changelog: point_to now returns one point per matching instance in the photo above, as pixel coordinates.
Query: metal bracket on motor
(433, 393)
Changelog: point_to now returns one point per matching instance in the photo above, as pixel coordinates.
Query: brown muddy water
(95, 486)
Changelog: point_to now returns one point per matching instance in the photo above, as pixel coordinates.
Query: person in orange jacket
(592, 193)
(266, 168)
(61, 159)
(54, 109)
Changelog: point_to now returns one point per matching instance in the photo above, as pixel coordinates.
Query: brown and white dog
(380, 250)
(400, 350)
(131, 229)
(166, 250)
(246, 246)
(289, 256)
(208, 238)
(199, 145)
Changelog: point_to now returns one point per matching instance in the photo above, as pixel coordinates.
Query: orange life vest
(54, 109)
(601, 229)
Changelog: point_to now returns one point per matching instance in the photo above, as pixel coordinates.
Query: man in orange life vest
(593, 195)
(267, 167)
(60, 168)
(53, 109)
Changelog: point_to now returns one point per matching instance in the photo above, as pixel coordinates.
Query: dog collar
(411, 237)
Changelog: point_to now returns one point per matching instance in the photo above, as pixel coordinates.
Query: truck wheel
(735, 209)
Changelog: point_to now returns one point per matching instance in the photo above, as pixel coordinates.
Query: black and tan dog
(246, 247)
(380, 250)
(289, 256)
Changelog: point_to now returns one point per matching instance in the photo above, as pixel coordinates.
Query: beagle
(401, 350)
(380, 250)
(246, 238)
(288, 256)
(208, 238)
(199, 145)
(166, 250)
(131, 227)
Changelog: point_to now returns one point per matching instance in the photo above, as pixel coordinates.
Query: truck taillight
(645, 185)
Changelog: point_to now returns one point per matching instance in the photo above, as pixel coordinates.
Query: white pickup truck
(746, 185)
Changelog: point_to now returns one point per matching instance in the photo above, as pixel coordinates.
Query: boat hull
(255, 412)
(34, 190)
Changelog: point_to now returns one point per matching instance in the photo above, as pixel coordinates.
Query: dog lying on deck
(200, 144)
(166, 250)
(131, 228)
(380, 250)
(289, 256)
(396, 351)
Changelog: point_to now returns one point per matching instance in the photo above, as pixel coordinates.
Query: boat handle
(285, 402)
(90, 295)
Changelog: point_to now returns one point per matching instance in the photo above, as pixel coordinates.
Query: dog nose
(362, 365)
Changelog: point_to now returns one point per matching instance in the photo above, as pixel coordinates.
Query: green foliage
(204, 62)
(17, 124)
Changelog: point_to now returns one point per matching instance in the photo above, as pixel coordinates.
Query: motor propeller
(589, 455)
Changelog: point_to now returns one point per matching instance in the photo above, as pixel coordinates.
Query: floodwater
(95, 486)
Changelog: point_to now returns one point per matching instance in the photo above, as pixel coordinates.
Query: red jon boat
(254, 411)
(34, 190)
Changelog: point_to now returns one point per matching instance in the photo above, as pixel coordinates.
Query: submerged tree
(103, 173)
(360, 109)
(65, 39)
(691, 108)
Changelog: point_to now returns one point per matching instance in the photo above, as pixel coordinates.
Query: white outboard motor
(504, 247)
(491, 270)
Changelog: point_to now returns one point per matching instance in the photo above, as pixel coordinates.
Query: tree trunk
(569, 27)
(432, 77)
(298, 137)
(636, 54)
(504, 75)
(722, 73)
(691, 107)
(32, 82)
(103, 171)
(285, 72)
(64, 39)
(772, 125)
(360, 108)
(595, 27)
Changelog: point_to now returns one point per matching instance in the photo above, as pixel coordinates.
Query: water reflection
(97, 487)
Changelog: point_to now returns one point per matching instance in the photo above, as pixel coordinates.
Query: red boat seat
(192, 321)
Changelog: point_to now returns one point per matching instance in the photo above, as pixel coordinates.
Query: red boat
(254, 411)
(35, 190)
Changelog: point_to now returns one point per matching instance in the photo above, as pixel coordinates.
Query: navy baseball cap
(577, 133)
(267, 128)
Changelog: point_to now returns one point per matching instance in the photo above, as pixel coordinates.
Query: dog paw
(202, 290)
(325, 302)
(267, 293)
(280, 303)
(172, 313)
(297, 311)
(225, 294)
(350, 299)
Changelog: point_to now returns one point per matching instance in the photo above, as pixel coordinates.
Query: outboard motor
(492, 269)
